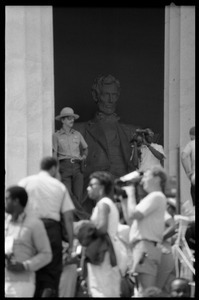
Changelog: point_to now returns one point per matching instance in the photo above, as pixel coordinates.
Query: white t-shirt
(112, 230)
(148, 159)
(189, 150)
(151, 227)
(47, 196)
(103, 279)
(113, 219)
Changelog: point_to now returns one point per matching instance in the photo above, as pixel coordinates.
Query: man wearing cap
(188, 161)
(70, 148)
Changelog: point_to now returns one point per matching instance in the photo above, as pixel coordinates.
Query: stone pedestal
(29, 93)
(179, 92)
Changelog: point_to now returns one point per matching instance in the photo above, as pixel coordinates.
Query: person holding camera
(27, 246)
(146, 153)
(146, 221)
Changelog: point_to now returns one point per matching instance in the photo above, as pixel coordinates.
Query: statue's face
(108, 98)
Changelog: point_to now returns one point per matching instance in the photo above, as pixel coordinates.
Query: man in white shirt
(48, 200)
(27, 247)
(146, 220)
(146, 154)
(188, 161)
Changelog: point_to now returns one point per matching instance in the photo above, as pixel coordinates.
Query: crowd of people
(103, 190)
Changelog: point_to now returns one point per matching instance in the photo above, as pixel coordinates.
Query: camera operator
(145, 153)
(146, 220)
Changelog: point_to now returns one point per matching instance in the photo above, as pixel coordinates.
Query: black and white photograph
(99, 150)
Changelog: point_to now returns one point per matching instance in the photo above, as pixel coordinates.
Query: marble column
(179, 88)
(29, 92)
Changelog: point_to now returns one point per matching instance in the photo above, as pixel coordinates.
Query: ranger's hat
(65, 112)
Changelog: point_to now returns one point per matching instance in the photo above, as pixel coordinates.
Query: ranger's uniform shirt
(68, 145)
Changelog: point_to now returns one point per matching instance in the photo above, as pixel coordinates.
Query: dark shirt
(96, 244)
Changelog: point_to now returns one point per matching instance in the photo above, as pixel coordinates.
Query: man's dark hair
(48, 162)
(192, 131)
(18, 192)
(104, 179)
(185, 282)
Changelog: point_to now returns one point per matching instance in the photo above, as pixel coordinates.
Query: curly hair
(48, 162)
(100, 81)
(19, 193)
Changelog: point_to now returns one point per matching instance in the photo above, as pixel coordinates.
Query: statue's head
(105, 92)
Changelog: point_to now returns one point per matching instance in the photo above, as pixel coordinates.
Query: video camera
(133, 178)
(139, 135)
(130, 178)
(142, 131)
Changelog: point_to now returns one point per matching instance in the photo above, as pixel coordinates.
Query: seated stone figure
(108, 139)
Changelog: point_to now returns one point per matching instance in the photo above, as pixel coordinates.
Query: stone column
(179, 90)
(29, 91)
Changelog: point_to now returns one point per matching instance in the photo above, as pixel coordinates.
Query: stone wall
(29, 91)
(179, 92)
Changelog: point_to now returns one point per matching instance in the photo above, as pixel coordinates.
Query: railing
(183, 255)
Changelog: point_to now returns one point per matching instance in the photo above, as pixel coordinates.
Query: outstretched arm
(156, 153)
(160, 156)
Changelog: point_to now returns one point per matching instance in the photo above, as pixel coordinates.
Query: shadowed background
(125, 42)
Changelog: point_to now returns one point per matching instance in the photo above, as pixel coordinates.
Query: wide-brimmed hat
(66, 111)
